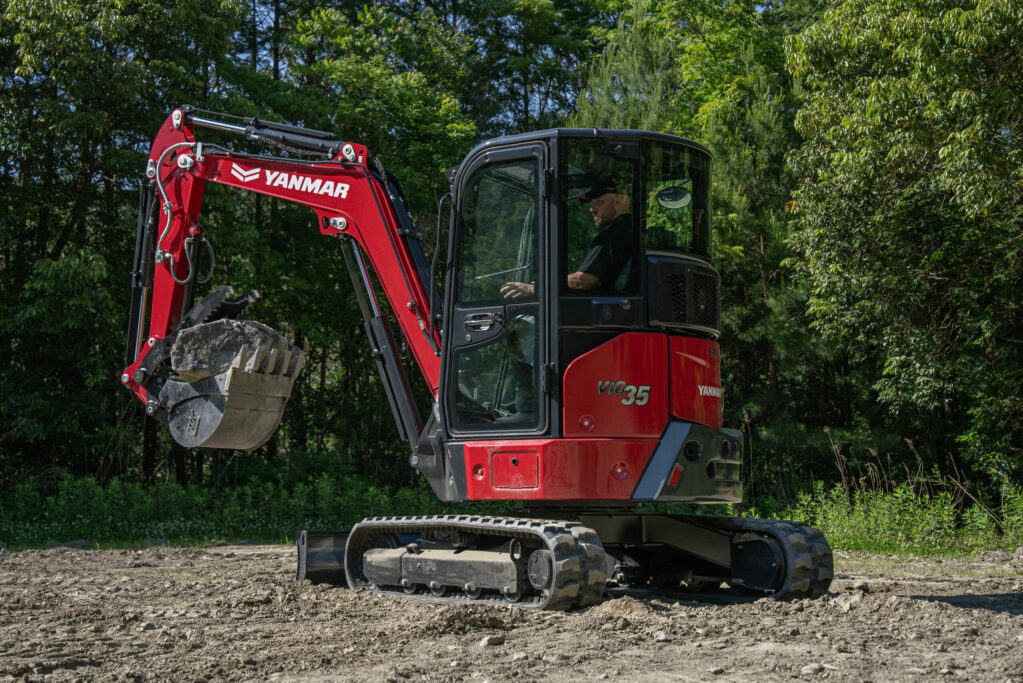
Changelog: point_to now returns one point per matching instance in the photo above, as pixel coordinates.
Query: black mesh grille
(683, 293)
(677, 295)
(705, 299)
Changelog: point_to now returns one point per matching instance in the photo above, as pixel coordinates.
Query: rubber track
(578, 557)
(809, 564)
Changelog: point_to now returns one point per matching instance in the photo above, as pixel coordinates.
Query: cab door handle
(482, 322)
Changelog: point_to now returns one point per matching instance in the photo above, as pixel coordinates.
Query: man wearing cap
(610, 248)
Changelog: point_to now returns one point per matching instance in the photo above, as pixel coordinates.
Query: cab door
(496, 337)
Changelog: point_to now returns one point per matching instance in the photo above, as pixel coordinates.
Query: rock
(491, 640)
(811, 669)
(519, 656)
(212, 348)
(861, 586)
(716, 670)
(847, 601)
(660, 637)
(554, 658)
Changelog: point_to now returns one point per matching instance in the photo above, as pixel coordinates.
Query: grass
(125, 513)
(898, 519)
(908, 519)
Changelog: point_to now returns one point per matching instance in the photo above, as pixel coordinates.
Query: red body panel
(337, 189)
(556, 469)
(696, 381)
(619, 389)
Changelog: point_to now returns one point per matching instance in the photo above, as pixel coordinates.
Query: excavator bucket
(230, 382)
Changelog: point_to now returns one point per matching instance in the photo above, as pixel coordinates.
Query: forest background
(867, 205)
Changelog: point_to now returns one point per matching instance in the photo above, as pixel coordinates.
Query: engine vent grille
(683, 293)
(677, 288)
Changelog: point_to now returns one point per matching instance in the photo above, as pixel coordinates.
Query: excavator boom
(221, 383)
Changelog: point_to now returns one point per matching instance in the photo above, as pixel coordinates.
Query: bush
(127, 513)
(901, 520)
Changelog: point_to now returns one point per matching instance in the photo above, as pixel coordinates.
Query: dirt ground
(235, 612)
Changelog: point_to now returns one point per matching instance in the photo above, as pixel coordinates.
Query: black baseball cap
(599, 187)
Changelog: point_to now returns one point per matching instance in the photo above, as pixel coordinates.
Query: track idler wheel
(539, 569)
(230, 382)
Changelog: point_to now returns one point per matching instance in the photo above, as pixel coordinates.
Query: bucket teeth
(255, 363)
(242, 358)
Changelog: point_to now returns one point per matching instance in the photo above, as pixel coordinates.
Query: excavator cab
(581, 318)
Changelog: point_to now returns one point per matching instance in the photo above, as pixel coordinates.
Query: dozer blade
(231, 380)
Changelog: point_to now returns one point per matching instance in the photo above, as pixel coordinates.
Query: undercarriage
(567, 564)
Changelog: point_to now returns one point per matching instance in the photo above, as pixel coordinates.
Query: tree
(82, 84)
(909, 211)
(632, 83)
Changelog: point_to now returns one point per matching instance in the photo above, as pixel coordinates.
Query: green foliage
(903, 520)
(627, 86)
(124, 512)
(908, 211)
(385, 78)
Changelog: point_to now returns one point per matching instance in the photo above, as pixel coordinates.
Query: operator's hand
(517, 290)
(581, 280)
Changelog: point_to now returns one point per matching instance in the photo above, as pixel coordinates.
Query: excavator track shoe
(232, 379)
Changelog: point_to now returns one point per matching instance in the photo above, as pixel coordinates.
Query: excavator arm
(220, 382)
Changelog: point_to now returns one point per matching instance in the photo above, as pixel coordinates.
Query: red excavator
(571, 360)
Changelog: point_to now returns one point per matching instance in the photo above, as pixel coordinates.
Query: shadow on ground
(1002, 603)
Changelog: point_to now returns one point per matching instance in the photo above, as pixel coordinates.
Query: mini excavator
(571, 360)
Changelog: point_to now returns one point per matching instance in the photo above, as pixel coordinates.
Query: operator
(610, 248)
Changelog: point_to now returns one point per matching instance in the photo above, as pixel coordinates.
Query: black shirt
(609, 252)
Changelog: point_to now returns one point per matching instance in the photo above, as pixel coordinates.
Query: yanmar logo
(709, 391)
(292, 181)
(244, 174)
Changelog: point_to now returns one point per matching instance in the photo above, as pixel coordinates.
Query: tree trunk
(148, 450)
(177, 456)
(772, 369)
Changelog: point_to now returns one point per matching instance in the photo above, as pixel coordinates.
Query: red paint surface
(593, 406)
(514, 469)
(676, 473)
(696, 381)
(566, 469)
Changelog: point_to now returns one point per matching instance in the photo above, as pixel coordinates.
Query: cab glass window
(499, 231)
(600, 239)
(676, 198)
